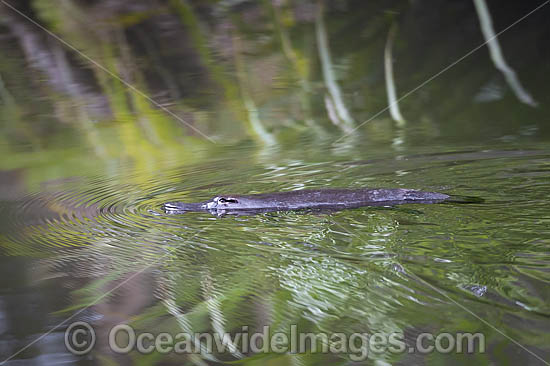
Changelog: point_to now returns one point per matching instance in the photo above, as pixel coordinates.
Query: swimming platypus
(323, 199)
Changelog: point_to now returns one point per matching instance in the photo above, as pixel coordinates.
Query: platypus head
(222, 203)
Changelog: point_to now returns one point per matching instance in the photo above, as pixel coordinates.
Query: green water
(83, 236)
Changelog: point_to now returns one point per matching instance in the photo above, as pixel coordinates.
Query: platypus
(322, 199)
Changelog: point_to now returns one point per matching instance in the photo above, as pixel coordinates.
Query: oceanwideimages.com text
(80, 339)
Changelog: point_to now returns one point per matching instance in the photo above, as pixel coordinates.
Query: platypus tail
(425, 196)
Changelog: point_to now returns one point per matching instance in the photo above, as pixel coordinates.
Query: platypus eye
(227, 200)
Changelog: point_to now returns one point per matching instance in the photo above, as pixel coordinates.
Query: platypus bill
(323, 199)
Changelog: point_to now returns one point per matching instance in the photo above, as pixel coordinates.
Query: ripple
(87, 211)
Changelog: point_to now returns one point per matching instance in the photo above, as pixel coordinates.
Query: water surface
(85, 170)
